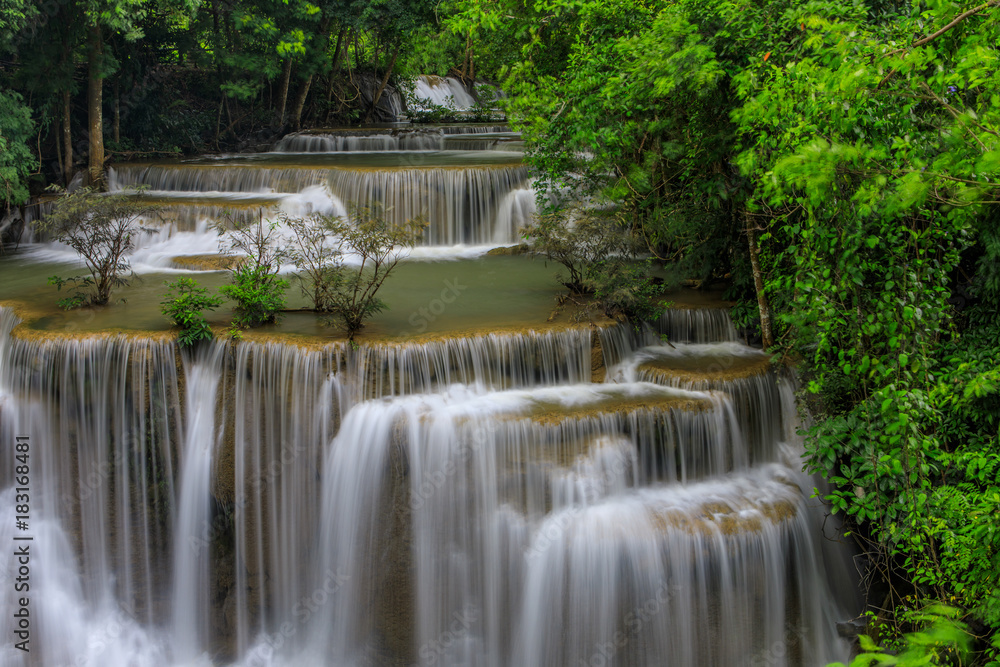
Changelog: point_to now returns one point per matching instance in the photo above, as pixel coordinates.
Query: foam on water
(469, 500)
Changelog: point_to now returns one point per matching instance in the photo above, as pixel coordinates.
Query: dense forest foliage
(836, 162)
(840, 163)
(166, 77)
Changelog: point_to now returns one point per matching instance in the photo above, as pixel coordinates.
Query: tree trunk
(286, 75)
(338, 55)
(766, 331)
(218, 122)
(67, 131)
(116, 121)
(95, 102)
(385, 80)
(229, 116)
(57, 132)
(300, 103)
(336, 50)
(465, 58)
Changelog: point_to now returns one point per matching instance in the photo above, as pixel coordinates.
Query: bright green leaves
(121, 16)
(626, 101)
(16, 128)
(14, 15)
(671, 57)
(184, 304)
(881, 160)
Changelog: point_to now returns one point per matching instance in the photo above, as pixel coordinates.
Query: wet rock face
(598, 371)
(206, 262)
(394, 581)
(652, 515)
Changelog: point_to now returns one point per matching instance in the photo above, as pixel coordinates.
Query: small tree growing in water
(257, 289)
(380, 245)
(349, 291)
(316, 250)
(600, 254)
(102, 229)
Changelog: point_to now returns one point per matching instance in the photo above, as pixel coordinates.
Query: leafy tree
(14, 15)
(875, 159)
(16, 129)
(102, 229)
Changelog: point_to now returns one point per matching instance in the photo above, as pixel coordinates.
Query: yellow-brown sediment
(598, 371)
(207, 262)
(715, 517)
(555, 413)
(520, 249)
(28, 315)
(665, 369)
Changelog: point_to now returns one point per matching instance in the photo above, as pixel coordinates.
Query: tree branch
(958, 19)
(954, 22)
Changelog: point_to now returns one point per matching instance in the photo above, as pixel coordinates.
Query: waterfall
(471, 205)
(284, 409)
(462, 501)
(442, 91)
(461, 205)
(517, 209)
(191, 554)
(405, 140)
(423, 139)
(569, 495)
(103, 415)
(215, 179)
(497, 361)
(713, 573)
(466, 181)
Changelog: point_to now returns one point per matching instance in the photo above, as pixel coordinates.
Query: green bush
(259, 295)
(184, 305)
(257, 289)
(942, 640)
(599, 251)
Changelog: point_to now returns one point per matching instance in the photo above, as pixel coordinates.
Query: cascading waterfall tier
(462, 501)
(104, 417)
(462, 206)
(496, 361)
(442, 91)
(744, 373)
(472, 204)
(423, 139)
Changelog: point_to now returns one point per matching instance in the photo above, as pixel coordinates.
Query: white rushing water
(463, 502)
(191, 553)
(468, 501)
(467, 206)
(443, 91)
